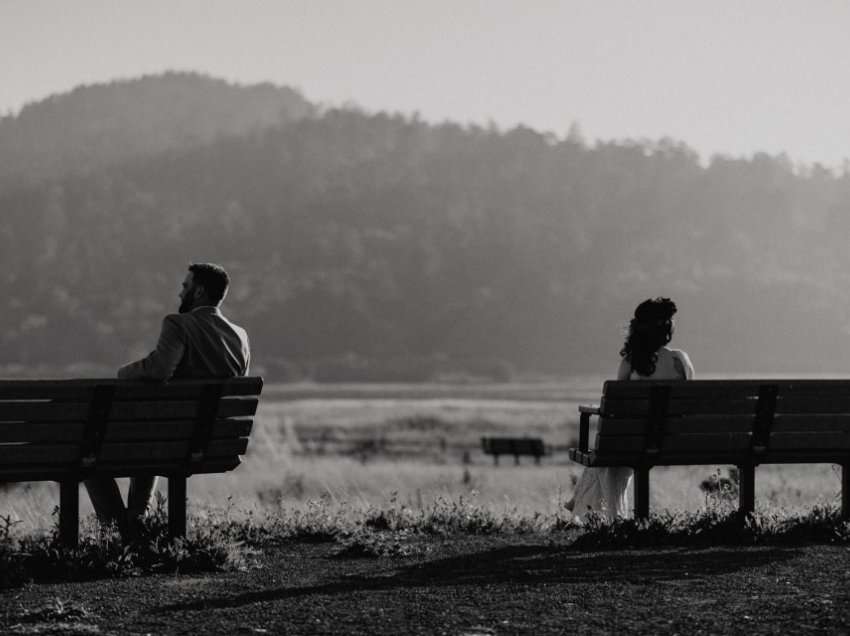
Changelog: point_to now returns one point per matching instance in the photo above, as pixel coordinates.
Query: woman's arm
(683, 365)
(624, 370)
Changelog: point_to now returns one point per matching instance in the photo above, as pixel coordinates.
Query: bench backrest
(512, 446)
(58, 428)
(789, 419)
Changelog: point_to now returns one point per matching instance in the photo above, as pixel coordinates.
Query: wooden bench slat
(68, 432)
(725, 442)
(53, 472)
(47, 454)
(49, 411)
(179, 409)
(627, 408)
(185, 389)
(14, 432)
(716, 458)
(64, 390)
(673, 443)
(131, 468)
(701, 424)
(166, 450)
(784, 422)
(37, 472)
(811, 422)
(82, 390)
(51, 454)
(814, 389)
(804, 404)
(175, 429)
(43, 411)
(724, 389)
(822, 440)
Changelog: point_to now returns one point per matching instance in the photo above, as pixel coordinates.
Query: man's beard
(186, 304)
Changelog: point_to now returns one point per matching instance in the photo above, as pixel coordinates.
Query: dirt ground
(477, 585)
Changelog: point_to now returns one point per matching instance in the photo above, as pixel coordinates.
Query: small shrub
(720, 491)
(318, 522)
(449, 517)
(55, 610)
(10, 567)
(713, 527)
(366, 544)
(101, 553)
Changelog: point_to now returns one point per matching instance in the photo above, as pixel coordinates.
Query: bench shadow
(532, 564)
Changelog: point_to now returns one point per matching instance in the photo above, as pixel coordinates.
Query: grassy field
(376, 511)
(360, 446)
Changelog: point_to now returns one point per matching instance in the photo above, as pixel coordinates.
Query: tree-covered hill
(93, 127)
(380, 247)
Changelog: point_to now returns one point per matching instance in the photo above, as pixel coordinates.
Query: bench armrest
(590, 409)
(584, 425)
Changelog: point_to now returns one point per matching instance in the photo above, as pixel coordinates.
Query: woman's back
(672, 364)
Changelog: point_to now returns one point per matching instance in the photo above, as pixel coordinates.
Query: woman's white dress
(607, 490)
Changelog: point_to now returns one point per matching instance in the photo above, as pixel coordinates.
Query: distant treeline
(381, 247)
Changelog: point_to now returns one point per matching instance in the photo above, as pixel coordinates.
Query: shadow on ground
(524, 565)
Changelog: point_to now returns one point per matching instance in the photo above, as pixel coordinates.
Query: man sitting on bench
(197, 342)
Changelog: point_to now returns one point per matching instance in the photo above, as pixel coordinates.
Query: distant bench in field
(68, 430)
(744, 423)
(515, 446)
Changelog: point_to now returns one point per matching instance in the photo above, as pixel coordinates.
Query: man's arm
(162, 361)
(247, 354)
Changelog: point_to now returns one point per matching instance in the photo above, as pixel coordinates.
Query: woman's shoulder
(678, 353)
(682, 362)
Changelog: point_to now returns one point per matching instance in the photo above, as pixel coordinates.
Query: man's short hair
(212, 278)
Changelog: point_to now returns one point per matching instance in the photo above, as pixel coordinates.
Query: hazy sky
(732, 76)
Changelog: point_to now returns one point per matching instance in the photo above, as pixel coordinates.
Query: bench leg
(641, 491)
(177, 506)
(69, 512)
(845, 491)
(746, 489)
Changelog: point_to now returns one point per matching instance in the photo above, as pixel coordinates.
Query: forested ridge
(377, 246)
(94, 127)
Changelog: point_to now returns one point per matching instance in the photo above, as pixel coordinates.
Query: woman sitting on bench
(644, 356)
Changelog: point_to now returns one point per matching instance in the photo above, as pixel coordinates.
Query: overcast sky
(730, 76)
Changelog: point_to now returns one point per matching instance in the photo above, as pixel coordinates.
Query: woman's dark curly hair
(649, 330)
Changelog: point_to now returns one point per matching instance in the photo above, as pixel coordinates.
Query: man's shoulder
(237, 328)
(175, 319)
(241, 332)
(213, 319)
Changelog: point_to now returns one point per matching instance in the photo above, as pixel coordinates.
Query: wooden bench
(515, 446)
(744, 423)
(69, 430)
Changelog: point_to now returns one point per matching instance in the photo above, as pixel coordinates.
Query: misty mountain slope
(94, 127)
(362, 245)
